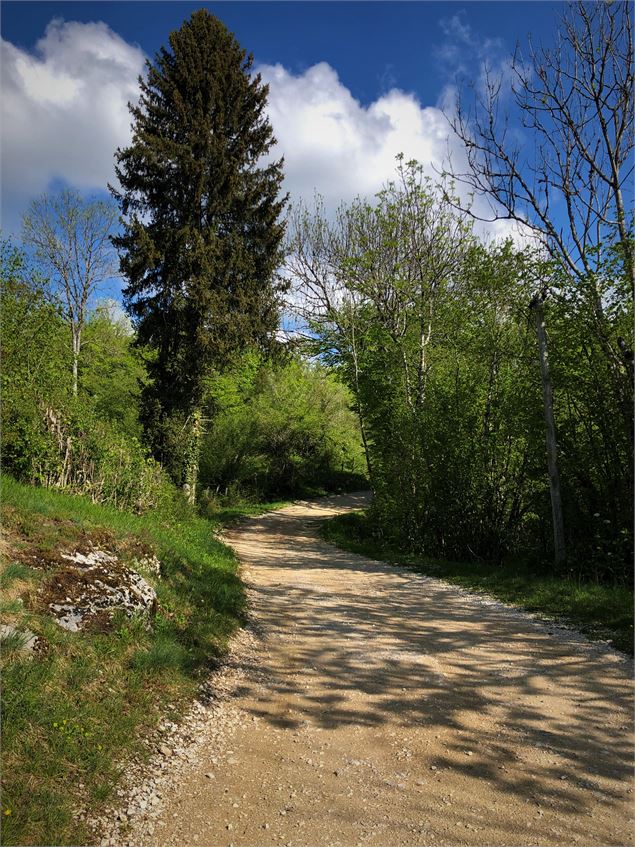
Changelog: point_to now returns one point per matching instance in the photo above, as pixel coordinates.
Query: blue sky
(372, 45)
(351, 84)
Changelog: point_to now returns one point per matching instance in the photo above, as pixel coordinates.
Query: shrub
(280, 429)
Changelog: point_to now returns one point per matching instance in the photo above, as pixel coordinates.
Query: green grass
(600, 611)
(13, 641)
(222, 513)
(13, 572)
(72, 715)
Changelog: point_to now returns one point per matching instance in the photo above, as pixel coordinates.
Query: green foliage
(113, 370)
(464, 453)
(35, 362)
(279, 429)
(594, 419)
(201, 242)
(87, 443)
(432, 332)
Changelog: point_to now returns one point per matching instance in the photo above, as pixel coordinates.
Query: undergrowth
(600, 611)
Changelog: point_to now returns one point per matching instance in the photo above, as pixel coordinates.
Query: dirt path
(377, 707)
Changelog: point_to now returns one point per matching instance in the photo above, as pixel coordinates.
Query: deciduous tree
(564, 173)
(70, 237)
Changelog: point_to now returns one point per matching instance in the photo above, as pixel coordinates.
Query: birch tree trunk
(71, 240)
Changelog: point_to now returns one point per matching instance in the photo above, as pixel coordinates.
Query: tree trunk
(77, 343)
(362, 429)
(192, 457)
(552, 447)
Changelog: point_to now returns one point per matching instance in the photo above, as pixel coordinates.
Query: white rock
(26, 640)
(105, 585)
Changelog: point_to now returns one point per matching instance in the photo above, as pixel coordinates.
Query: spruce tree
(202, 234)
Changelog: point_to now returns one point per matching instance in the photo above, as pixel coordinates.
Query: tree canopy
(200, 208)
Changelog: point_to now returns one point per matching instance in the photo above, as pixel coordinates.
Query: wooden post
(537, 307)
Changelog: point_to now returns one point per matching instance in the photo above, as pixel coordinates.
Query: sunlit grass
(71, 715)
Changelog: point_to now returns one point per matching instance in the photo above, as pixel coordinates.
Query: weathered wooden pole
(536, 305)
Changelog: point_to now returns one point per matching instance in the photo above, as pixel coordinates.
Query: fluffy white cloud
(64, 110)
(336, 146)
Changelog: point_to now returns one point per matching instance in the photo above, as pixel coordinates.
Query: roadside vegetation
(445, 363)
(483, 389)
(600, 611)
(74, 711)
(79, 474)
(493, 380)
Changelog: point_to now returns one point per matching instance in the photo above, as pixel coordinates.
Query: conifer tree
(202, 234)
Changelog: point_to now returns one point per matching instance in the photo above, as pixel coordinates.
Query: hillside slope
(85, 701)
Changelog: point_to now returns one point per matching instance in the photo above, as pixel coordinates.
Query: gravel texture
(368, 705)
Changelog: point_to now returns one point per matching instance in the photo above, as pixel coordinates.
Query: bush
(87, 444)
(280, 429)
(79, 453)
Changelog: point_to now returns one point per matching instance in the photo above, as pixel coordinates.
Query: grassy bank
(224, 513)
(600, 611)
(71, 713)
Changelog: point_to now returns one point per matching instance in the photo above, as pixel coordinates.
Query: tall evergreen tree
(202, 231)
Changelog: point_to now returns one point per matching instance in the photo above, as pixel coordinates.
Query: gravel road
(367, 705)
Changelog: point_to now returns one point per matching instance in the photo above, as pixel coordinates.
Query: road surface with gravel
(368, 705)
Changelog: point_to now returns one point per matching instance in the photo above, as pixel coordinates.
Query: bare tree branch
(566, 181)
(71, 241)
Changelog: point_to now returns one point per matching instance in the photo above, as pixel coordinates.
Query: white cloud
(334, 145)
(64, 110)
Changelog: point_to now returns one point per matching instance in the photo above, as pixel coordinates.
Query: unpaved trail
(378, 707)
